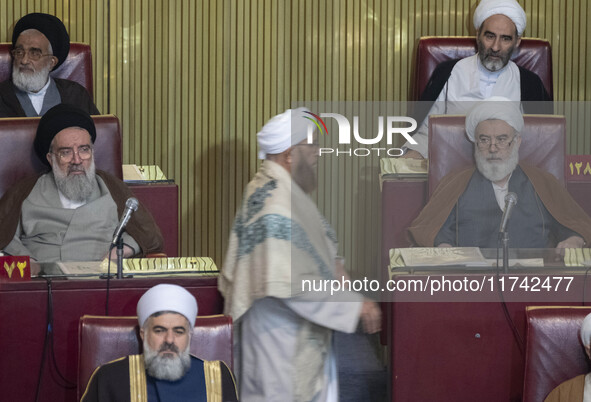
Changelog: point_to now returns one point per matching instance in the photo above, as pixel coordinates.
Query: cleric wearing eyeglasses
(71, 212)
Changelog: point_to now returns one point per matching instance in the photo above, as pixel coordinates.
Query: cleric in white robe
(283, 336)
(456, 84)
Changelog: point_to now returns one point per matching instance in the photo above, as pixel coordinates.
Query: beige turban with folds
(283, 131)
(586, 331)
(508, 8)
(167, 297)
(494, 108)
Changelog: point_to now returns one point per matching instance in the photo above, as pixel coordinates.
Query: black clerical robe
(125, 380)
(70, 92)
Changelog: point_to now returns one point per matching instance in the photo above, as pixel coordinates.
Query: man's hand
(412, 154)
(371, 317)
(572, 242)
(127, 252)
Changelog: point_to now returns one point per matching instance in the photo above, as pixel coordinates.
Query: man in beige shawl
(283, 337)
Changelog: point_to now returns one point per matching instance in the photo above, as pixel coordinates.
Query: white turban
(494, 108)
(166, 297)
(508, 8)
(283, 131)
(586, 330)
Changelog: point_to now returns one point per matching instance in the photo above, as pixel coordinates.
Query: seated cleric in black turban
(40, 45)
(55, 120)
(50, 26)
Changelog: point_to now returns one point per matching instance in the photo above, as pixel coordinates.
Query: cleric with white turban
(494, 108)
(579, 387)
(508, 8)
(167, 297)
(283, 131)
(165, 370)
(586, 331)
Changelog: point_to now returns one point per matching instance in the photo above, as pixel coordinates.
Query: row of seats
(17, 134)
(19, 159)
(101, 339)
(554, 352)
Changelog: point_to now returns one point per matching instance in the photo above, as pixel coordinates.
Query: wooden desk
(465, 350)
(23, 317)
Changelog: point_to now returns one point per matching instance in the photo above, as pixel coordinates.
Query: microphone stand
(505, 241)
(120, 257)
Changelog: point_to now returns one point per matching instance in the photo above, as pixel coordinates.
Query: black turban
(56, 119)
(50, 26)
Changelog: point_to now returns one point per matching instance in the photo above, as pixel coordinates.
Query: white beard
(76, 188)
(166, 368)
(30, 81)
(496, 170)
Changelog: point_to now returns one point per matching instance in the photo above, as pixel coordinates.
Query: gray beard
(492, 65)
(77, 188)
(305, 176)
(495, 171)
(30, 82)
(166, 368)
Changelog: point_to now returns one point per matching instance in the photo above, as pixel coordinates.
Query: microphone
(510, 202)
(130, 206)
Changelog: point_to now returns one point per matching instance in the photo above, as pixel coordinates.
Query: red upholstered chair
(77, 66)
(18, 158)
(533, 54)
(103, 339)
(543, 145)
(553, 352)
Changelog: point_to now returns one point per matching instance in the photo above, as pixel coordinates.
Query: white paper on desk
(84, 267)
(132, 172)
(434, 256)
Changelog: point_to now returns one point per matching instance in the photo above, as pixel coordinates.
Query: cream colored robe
(283, 338)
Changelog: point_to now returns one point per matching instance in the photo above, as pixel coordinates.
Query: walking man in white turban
(467, 206)
(283, 335)
(165, 371)
(455, 84)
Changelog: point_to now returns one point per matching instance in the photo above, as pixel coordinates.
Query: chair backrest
(77, 66)
(103, 339)
(543, 145)
(553, 352)
(532, 54)
(17, 155)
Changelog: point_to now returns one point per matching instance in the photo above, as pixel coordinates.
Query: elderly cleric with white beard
(40, 44)
(165, 371)
(467, 206)
(71, 212)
